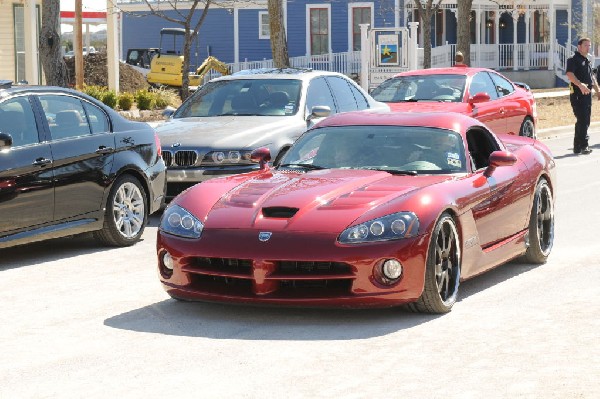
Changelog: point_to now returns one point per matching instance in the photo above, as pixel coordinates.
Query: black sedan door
(26, 180)
(82, 148)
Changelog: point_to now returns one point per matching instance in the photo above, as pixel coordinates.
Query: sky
(87, 5)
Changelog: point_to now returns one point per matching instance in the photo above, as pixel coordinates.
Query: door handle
(104, 150)
(42, 162)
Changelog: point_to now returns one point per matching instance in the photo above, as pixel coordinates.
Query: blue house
(516, 36)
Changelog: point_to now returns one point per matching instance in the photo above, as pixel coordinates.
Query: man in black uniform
(579, 72)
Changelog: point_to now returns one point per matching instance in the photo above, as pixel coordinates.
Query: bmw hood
(324, 201)
(225, 132)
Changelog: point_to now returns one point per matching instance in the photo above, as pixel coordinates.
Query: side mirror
(168, 112)
(262, 156)
(6, 141)
(498, 159)
(479, 98)
(319, 111)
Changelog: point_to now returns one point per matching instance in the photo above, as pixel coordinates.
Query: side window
(343, 94)
(66, 116)
(483, 83)
(97, 118)
(481, 145)
(17, 119)
(503, 86)
(361, 101)
(319, 94)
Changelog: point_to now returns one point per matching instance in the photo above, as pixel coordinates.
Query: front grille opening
(279, 212)
(186, 158)
(238, 266)
(167, 156)
(301, 285)
(308, 268)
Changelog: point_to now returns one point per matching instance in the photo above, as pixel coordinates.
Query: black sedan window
(17, 119)
(65, 115)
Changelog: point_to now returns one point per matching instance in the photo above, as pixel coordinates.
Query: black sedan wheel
(527, 128)
(442, 274)
(126, 213)
(541, 224)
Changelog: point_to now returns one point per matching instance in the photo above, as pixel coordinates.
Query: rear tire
(527, 128)
(541, 225)
(442, 271)
(126, 213)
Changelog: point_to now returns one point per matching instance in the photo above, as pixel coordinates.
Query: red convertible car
(365, 209)
(504, 106)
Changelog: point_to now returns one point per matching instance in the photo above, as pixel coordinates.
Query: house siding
(251, 47)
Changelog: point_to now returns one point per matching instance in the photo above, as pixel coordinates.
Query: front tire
(442, 271)
(527, 128)
(126, 213)
(541, 225)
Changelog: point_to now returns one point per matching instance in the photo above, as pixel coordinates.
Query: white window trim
(351, 13)
(260, 25)
(307, 39)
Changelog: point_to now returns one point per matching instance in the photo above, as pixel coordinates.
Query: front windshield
(395, 149)
(262, 97)
(447, 88)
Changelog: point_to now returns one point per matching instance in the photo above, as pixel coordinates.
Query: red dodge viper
(365, 209)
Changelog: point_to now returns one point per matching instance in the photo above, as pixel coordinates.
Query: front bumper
(179, 179)
(293, 269)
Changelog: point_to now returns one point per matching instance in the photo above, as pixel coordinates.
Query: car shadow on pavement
(493, 277)
(230, 321)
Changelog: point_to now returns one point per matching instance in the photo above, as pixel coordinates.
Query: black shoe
(576, 152)
(586, 151)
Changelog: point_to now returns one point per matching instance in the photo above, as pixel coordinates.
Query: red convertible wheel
(442, 275)
(527, 128)
(541, 224)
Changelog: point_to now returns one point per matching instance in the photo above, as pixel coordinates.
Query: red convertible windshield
(447, 88)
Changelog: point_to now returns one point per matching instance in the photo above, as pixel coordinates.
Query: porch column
(112, 45)
(527, 61)
(551, 49)
(397, 14)
(365, 56)
(32, 66)
(413, 55)
(515, 16)
(478, 35)
(569, 39)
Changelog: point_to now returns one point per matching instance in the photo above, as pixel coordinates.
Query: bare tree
(182, 16)
(53, 64)
(278, 40)
(463, 42)
(425, 14)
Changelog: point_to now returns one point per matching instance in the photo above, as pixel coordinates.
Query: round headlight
(218, 157)
(174, 220)
(187, 222)
(398, 226)
(359, 232)
(392, 269)
(377, 228)
(234, 156)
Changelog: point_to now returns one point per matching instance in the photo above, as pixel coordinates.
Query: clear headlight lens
(179, 222)
(227, 157)
(389, 227)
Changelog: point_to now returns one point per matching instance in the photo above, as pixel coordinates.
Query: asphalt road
(80, 320)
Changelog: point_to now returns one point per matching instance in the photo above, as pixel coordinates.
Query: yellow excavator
(166, 68)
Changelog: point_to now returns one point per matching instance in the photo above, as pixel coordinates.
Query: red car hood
(318, 201)
(430, 106)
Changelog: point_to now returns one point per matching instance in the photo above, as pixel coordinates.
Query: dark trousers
(582, 108)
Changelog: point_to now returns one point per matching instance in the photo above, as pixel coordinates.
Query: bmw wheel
(527, 128)
(541, 224)
(442, 270)
(126, 213)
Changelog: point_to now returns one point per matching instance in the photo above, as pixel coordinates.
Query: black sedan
(69, 164)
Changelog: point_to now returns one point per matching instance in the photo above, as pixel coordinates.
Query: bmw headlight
(390, 227)
(180, 222)
(227, 157)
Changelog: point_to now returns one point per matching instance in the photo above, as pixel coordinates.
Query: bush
(94, 91)
(110, 98)
(144, 99)
(125, 101)
(165, 97)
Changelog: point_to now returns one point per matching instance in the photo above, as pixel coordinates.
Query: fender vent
(279, 212)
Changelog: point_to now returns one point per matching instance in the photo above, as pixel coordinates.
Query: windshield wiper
(303, 165)
(393, 171)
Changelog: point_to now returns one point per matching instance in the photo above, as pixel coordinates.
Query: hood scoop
(282, 212)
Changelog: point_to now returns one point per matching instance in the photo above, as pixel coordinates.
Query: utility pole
(78, 45)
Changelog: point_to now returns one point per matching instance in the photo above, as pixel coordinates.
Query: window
(17, 119)
(66, 117)
(264, 27)
(319, 94)
(482, 83)
(19, 29)
(343, 94)
(360, 15)
(319, 31)
(503, 86)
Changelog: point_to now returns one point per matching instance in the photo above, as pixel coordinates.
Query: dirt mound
(95, 73)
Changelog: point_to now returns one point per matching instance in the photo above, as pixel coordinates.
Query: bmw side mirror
(319, 111)
(498, 159)
(168, 112)
(6, 141)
